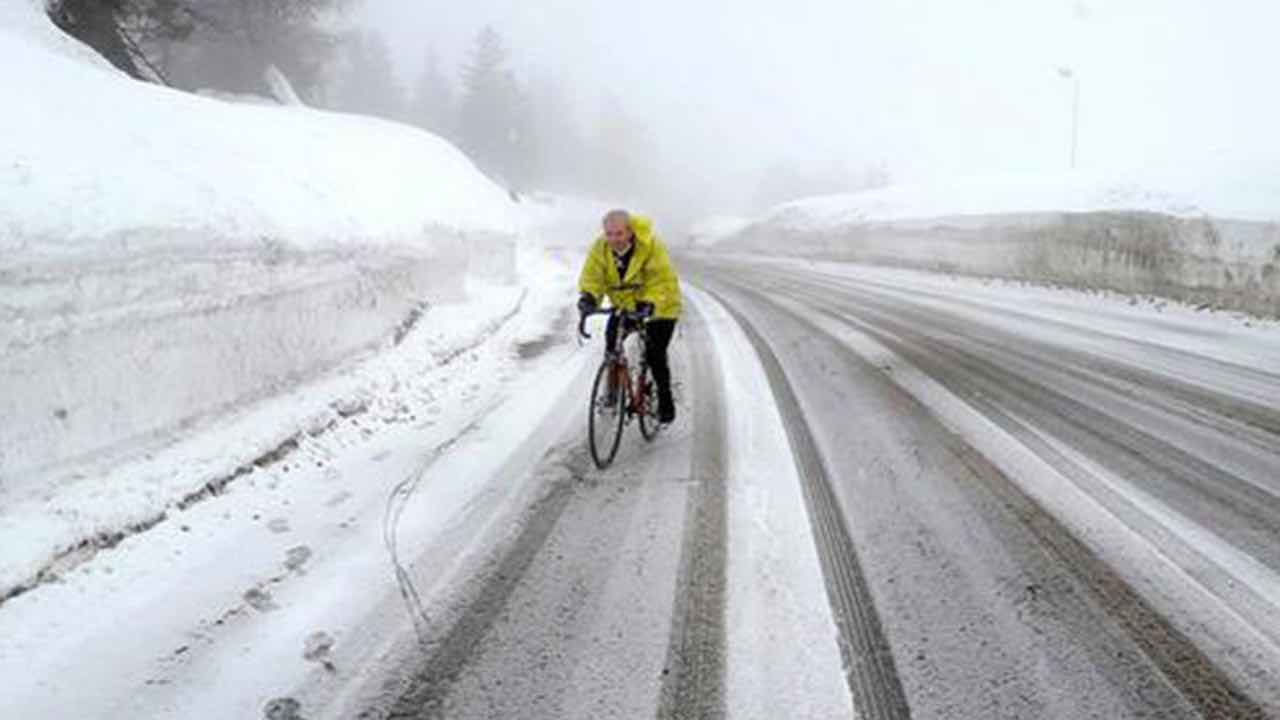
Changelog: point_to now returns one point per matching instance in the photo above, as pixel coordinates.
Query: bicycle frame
(615, 376)
(635, 392)
(620, 374)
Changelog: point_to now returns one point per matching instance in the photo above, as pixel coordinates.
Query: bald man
(629, 265)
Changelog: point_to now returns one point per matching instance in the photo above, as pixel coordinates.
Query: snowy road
(1008, 510)
(1052, 515)
(888, 494)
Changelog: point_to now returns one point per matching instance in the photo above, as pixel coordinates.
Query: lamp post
(1067, 73)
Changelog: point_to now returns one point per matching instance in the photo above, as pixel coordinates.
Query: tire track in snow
(397, 501)
(86, 548)
(1185, 666)
(869, 665)
(693, 686)
(429, 686)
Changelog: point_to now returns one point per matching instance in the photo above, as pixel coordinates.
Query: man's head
(617, 230)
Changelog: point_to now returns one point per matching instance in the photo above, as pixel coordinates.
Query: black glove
(586, 303)
(644, 310)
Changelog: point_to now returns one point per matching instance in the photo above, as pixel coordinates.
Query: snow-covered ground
(72, 514)
(167, 258)
(1197, 570)
(95, 161)
(1048, 314)
(217, 318)
(231, 333)
(191, 287)
(257, 360)
(775, 589)
(296, 542)
(709, 231)
(291, 558)
(563, 221)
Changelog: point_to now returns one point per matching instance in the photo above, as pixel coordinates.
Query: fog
(733, 91)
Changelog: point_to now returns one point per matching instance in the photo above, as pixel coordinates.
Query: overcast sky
(931, 87)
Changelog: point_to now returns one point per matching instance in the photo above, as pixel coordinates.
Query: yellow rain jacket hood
(650, 271)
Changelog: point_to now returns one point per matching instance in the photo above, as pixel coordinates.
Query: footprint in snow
(296, 557)
(317, 648)
(283, 709)
(278, 525)
(260, 600)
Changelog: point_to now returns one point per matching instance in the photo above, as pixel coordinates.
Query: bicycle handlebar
(582, 321)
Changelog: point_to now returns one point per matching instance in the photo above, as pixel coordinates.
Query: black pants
(658, 334)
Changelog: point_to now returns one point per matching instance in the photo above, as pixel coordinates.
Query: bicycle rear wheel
(649, 417)
(605, 417)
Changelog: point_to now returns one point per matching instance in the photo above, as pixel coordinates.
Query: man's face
(618, 234)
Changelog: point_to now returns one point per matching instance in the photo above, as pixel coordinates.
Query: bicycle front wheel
(605, 417)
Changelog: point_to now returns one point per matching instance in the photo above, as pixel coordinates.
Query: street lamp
(1067, 73)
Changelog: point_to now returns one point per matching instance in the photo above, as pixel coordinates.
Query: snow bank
(1179, 195)
(1220, 246)
(564, 221)
(712, 230)
(91, 154)
(165, 256)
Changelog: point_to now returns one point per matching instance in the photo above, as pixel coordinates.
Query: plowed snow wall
(1227, 263)
(96, 354)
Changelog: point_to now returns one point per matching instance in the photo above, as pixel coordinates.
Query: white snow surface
(776, 600)
(43, 515)
(187, 283)
(709, 231)
(165, 257)
(564, 221)
(1222, 622)
(249, 593)
(1054, 315)
(1181, 194)
(87, 154)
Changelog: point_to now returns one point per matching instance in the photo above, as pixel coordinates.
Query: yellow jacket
(650, 269)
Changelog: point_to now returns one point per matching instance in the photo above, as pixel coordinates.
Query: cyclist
(630, 265)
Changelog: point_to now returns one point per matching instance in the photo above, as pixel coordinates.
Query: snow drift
(166, 256)
(1206, 243)
(709, 231)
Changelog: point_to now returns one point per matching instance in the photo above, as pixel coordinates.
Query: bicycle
(618, 394)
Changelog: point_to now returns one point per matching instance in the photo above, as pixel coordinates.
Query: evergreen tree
(221, 44)
(561, 147)
(493, 123)
(242, 38)
(368, 83)
(622, 154)
(433, 108)
(97, 23)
